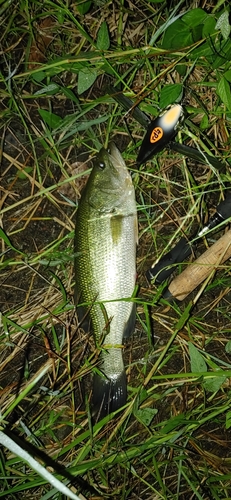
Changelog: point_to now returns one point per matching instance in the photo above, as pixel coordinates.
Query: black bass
(105, 267)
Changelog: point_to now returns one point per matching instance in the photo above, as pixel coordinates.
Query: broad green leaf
(86, 78)
(223, 91)
(189, 27)
(194, 17)
(103, 40)
(198, 363)
(51, 89)
(208, 26)
(227, 75)
(60, 15)
(204, 122)
(50, 71)
(228, 347)
(170, 94)
(83, 6)
(182, 69)
(52, 120)
(22, 173)
(171, 37)
(39, 76)
(146, 415)
(223, 25)
(185, 39)
(213, 384)
(197, 32)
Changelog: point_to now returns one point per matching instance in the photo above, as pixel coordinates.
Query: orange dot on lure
(156, 134)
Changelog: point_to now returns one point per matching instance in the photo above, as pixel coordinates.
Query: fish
(106, 235)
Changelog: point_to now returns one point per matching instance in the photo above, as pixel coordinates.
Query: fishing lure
(160, 132)
(168, 123)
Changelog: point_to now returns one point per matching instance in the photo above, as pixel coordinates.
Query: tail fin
(108, 394)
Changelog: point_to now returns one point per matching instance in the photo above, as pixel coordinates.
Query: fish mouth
(115, 153)
(118, 162)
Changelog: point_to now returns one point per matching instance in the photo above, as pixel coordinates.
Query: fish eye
(101, 165)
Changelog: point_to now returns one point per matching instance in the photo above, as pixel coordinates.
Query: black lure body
(160, 132)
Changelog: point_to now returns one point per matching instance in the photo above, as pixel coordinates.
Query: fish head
(110, 183)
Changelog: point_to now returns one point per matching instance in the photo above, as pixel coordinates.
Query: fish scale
(105, 264)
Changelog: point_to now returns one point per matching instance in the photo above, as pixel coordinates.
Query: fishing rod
(200, 269)
(163, 268)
